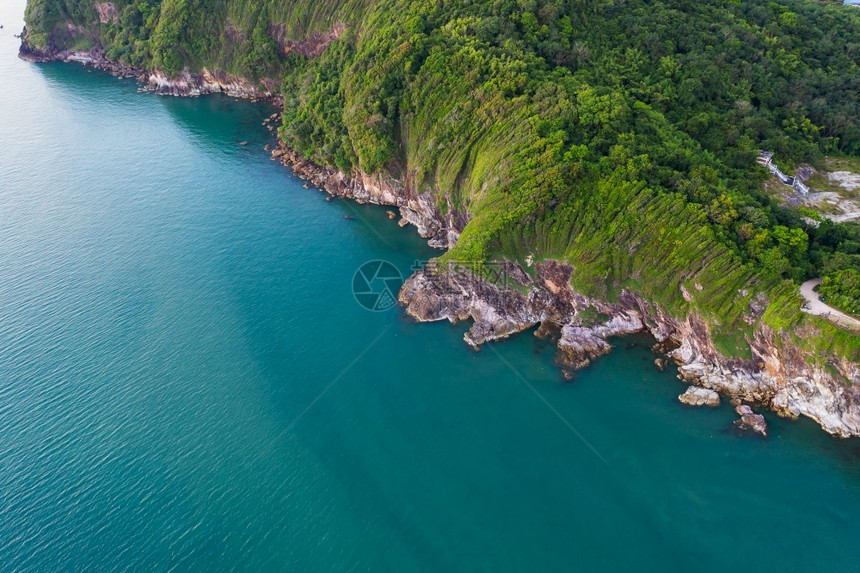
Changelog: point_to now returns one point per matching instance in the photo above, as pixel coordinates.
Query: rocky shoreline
(778, 377)
(186, 84)
(416, 209)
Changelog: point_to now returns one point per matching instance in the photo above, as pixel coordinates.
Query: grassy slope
(551, 160)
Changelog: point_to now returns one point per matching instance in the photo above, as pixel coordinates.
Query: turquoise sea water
(186, 383)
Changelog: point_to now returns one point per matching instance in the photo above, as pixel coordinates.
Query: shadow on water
(228, 127)
(215, 121)
(81, 82)
(220, 120)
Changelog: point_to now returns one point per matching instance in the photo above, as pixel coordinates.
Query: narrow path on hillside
(814, 306)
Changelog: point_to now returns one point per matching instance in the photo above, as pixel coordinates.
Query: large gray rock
(697, 396)
(750, 422)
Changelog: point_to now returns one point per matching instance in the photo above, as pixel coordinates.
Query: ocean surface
(188, 383)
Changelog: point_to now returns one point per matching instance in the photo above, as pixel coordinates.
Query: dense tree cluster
(682, 95)
(842, 289)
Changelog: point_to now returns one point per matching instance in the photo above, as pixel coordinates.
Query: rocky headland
(511, 299)
(778, 376)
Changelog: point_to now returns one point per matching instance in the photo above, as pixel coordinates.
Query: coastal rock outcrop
(777, 376)
(750, 422)
(206, 82)
(579, 346)
(93, 58)
(698, 396)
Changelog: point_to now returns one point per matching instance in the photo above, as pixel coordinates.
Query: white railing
(782, 176)
(766, 158)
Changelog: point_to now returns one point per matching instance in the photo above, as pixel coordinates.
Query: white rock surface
(698, 396)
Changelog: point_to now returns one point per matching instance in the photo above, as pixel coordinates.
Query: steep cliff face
(206, 82)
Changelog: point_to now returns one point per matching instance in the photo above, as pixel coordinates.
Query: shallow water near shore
(186, 382)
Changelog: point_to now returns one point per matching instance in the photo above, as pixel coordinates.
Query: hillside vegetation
(619, 136)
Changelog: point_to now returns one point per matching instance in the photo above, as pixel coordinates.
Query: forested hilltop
(619, 136)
